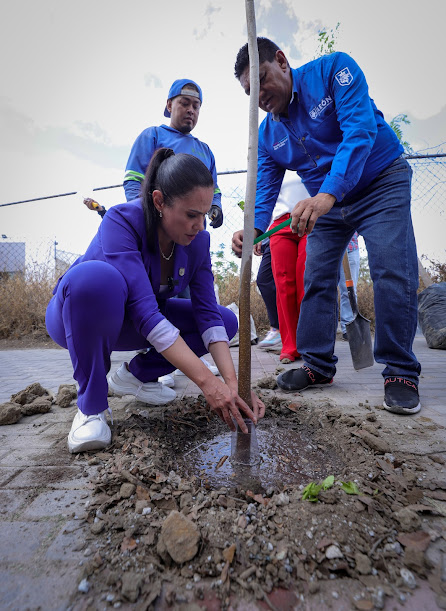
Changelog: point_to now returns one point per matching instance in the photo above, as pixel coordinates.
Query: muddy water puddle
(285, 457)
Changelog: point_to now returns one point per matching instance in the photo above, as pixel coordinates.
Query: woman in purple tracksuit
(117, 296)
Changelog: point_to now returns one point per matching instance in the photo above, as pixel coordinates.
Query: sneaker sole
(305, 387)
(93, 444)
(266, 346)
(158, 401)
(118, 393)
(402, 411)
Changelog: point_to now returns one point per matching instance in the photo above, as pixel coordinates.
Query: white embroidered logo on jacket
(316, 111)
(344, 77)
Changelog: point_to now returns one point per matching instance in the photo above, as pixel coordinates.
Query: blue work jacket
(334, 136)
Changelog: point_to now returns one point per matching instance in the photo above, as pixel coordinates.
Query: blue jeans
(267, 286)
(381, 214)
(346, 313)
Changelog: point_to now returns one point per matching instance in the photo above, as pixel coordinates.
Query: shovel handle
(349, 284)
(271, 231)
(347, 272)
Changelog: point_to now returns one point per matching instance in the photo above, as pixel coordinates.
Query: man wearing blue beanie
(183, 108)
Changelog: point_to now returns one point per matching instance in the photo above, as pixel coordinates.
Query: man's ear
(169, 105)
(281, 60)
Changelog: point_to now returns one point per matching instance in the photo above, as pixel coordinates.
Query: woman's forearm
(183, 358)
(222, 357)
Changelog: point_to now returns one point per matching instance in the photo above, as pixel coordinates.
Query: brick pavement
(43, 489)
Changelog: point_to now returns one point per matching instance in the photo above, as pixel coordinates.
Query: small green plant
(349, 487)
(312, 490)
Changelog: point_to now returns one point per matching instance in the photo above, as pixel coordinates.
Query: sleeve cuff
(334, 187)
(163, 335)
(214, 334)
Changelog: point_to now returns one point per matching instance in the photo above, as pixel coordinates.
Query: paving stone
(54, 503)
(49, 589)
(57, 477)
(7, 473)
(11, 501)
(28, 456)
(22, 540)
(68, 538)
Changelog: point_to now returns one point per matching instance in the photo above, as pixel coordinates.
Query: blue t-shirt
(154, 138)
(334, 137)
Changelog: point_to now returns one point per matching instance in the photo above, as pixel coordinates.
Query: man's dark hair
(267, 52)
(173, 175)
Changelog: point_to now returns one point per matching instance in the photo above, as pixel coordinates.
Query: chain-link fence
(63, 260)
(428, 207)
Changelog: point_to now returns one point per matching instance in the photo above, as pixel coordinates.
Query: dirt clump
(66, 395)
(371, 527)
(34, 399)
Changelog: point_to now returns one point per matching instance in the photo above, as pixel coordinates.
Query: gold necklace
(170, 256)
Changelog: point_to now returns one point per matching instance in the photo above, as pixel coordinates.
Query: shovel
(358, 330)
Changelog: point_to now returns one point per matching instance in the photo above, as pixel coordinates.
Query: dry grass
(229, 287)
(364, 293)
(23, 301)
(24, 298)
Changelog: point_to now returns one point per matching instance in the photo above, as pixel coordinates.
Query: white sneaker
(122, 382)
(167, 380)
(212, 368)
(89, 432)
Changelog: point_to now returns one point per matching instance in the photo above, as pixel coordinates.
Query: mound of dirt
(163, 536)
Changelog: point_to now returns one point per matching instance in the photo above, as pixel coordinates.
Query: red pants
(288, 263)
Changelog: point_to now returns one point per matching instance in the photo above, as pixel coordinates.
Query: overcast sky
(80, 80)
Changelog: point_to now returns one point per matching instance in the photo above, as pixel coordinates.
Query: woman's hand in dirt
(258, 407)
(227, 404)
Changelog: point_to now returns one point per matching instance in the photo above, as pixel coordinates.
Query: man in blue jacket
(183, 108)
(322, 123)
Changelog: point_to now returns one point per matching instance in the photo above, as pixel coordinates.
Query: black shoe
(344, 337)
(298, 379)
(401, 396)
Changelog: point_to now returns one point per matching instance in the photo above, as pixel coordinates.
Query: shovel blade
(360, 342)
